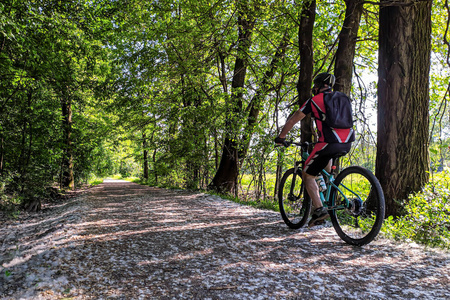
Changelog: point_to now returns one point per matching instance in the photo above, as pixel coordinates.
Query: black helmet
(324, 78)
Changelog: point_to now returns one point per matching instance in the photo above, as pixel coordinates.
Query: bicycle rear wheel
(359, 220)
(294, 202)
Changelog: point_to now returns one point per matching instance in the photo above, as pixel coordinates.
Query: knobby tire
(362, 224)
(296, 207)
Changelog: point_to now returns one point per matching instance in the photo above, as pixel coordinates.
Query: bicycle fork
(294, 177)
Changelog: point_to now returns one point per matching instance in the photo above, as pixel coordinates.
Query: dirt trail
(125, 241)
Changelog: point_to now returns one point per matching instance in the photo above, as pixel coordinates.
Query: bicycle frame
(346, 197)
(330, 184)
(325, 198)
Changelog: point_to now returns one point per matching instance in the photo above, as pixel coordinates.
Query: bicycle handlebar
(287, 143)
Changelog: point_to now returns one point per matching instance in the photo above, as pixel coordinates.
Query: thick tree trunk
(67, 161)
(305, 39)
(347, 45)
(225, 180)
(402, 161)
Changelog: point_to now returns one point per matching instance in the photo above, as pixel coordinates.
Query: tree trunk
(225, 180)
(306, 70)
(155, 172)
(347, 45)
(402, 160)
(1, 155)
(27, 134)
(264, 88)
(305, 41)
(345, 53)
(67, 161)
(226, 176)
(144, 146)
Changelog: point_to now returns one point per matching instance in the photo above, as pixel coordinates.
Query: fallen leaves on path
(126, 241)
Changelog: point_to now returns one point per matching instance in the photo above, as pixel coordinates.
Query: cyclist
(331, 142)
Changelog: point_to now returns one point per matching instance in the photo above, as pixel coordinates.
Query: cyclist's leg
(328, 167)
(312, 188)
(320, 158)
(315, 163)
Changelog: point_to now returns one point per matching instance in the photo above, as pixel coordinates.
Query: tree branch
(395, 3)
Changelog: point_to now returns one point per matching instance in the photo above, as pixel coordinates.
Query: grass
(95, 181)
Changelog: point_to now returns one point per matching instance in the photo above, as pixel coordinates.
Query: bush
(427, 218)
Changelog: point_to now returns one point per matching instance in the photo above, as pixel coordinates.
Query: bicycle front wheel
(357, 209)
(294, 202)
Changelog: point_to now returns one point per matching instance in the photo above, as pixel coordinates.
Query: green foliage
(427, 215)
(8, 273)
(440, 155)
(156, 77)
(49, 55)
(94, 180)
(9, 201)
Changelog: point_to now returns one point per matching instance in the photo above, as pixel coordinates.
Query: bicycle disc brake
(356, 206)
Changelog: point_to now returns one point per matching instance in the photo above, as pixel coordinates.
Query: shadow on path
(128, 241)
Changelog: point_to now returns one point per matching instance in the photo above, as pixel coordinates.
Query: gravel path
(125, 241)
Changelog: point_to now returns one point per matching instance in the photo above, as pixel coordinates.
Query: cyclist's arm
(294, 119)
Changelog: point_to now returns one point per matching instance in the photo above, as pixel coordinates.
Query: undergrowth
(427, 217)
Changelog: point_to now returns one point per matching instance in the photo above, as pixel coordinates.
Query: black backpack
(338, 110)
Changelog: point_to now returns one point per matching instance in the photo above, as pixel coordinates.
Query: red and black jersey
(316, 107)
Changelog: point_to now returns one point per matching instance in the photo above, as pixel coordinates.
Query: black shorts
(321, 155)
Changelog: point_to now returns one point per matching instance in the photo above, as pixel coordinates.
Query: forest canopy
(191, 94)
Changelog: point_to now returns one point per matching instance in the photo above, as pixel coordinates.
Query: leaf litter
(126, 241)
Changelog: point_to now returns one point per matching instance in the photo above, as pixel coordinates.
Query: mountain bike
(354, 199)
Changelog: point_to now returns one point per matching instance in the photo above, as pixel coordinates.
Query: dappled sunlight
(160, 244)
(190, 255)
